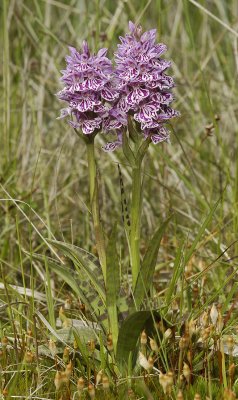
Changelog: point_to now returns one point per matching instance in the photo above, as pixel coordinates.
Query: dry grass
(43, 186)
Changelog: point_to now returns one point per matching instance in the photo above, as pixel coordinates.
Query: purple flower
(89, 89)
(143, 85)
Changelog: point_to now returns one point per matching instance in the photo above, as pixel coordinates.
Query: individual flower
(143, 85)
(89, 89)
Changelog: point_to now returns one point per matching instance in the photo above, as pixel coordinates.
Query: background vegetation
(44, 186)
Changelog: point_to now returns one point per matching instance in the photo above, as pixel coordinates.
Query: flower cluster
(89, 89)
(101, 98)
(144, 87)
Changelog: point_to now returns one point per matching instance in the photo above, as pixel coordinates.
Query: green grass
(44, 198)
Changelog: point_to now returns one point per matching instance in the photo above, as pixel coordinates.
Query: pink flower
(89, 89)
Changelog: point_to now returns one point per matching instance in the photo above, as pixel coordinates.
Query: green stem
(136, 201)
(92, 169)
(94, 205)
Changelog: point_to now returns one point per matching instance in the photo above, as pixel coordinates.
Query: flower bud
(131, 394)
(29, 357)
(146, 364)
(30, 334)
(186, 372)
(69, 369)
(184, 342)
(231, 370)
(151, 362)
(191, 327)
(66, 355)
(17, 326)
(58, 380)
(174, 306)
(4, 341)
(68, 304)
(80, 385)
(91, 391)
(67, 323)
(62, 315)
(109, 342)
(197, 396)
(220, 322)
(230, 344)
(52, 347)
(170, 377)
(214, 314)
(153, 345)
(181, 379)
(229, 395)
(180, 395)
(189, 357)
(143, 338)
(205, 334)
(163, 380)
(64, 377)
(105, 382)
(168, 334)
(99, 377)
(204, 319)
(91, 345)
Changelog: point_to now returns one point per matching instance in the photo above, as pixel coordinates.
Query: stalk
(135, 236)
(94, 205)
(135, 159)
(92, 169)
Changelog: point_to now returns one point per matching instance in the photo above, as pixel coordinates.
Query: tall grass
(43, 186)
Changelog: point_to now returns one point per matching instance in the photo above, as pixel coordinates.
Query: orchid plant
(130, 100)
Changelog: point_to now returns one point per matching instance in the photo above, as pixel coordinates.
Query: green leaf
(61, 270)
(133, 132)
(148, 264)
(124, 206)
(49, 297)
(98, 231)
(113, 284)
(62, 338)
(128, 153)
(142, 149)
(130, 331)
(124, 304)
(177, 271)
(201, 231)
(82, 341)
(80, 285)
(83, 260)
(103, 352)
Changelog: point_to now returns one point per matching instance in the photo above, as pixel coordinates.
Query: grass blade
(129, 333)
(148, 264)
(113, 284)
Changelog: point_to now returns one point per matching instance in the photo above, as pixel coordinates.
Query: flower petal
(108, 94)
(88, 126)
(111, 146)
(64, 112)
(137, 95)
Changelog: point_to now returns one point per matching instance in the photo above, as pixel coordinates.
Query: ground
(44, 199)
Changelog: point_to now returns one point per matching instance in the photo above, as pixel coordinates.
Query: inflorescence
(103, 98)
